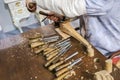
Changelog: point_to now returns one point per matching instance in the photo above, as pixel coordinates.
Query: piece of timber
(67, 28)
(64, 35)
(25, 65)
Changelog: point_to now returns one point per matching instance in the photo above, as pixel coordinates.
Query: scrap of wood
(64, 35)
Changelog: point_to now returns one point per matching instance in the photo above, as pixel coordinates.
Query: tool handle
(49, 51)
(38, 50)
(62, 71)
(43, 13)
(62, 66)
(34, 40)
(50, 61)
(62, 76)
(47, 55)
(52, 55)
(55, 65)
(36, 44)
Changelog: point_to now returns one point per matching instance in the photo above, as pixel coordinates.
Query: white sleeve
(69, 8)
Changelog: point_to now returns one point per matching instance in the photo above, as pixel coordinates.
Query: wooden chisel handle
(50, 61)
(38, 50)
(36, 44)
(52, 55)
(62, 71)
(62, 76)
(49, 51)
(34, 40)
(55, 65)
(47, 55)
(62, 66)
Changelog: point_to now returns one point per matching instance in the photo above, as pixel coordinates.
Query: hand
(31, 5)
(53, 16)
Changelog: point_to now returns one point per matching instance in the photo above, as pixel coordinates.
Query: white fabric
(69, 8)
(0, 28)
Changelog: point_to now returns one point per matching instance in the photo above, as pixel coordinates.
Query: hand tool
(36, 44)
(61, 62)
(57, 48)
(62, 45)
(61, 50)
(60, 42)
(68, 73)
(63, 41)
(69, 67)
(60, 54)
(35, 40)
(48, 51)
(51, 39)
(62, 66)
(62, 76)
(37, 35)
(40, 49)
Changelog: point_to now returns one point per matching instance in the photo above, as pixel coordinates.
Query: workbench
(18, 62)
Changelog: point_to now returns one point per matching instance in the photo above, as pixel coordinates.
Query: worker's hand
(52, 16)
(31, 5)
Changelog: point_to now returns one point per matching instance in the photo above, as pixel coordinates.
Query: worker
(102, 16)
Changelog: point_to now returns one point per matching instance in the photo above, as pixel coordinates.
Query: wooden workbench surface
(17, 62)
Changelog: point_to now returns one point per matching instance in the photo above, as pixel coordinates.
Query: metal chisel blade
(71, 56)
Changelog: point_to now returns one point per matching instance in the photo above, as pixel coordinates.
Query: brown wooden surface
(17, 62)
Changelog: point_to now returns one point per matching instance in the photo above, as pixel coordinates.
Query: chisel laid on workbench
(62, 47)
(61, 62)
(57, 47)
(60, 54)
(36, 44)
(69, 67)
(62, 76)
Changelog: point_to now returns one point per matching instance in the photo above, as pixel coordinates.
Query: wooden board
(17, 62)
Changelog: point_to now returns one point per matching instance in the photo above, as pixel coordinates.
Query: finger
(52, 18)
(56, 19)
